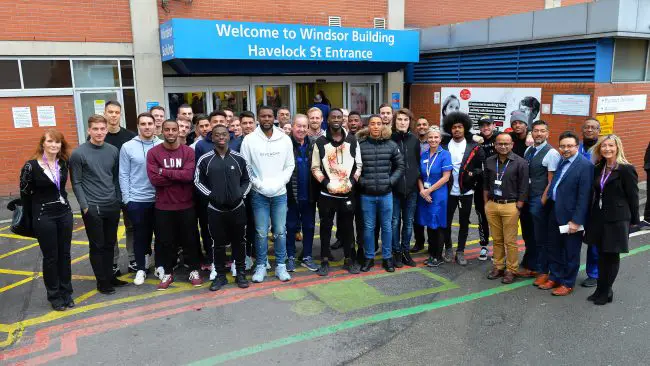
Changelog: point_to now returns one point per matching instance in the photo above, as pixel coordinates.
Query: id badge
(497, 182)
(600, 203)
(498, 192)
(61, 200)
(427, 185)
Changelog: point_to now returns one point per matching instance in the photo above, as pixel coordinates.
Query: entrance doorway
(305, 93)
(88, 103)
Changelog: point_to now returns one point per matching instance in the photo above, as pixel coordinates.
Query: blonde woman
(614, 207)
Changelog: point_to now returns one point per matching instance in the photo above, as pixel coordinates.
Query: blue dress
(434, 215)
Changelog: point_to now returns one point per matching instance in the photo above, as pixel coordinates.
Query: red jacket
(172, 173)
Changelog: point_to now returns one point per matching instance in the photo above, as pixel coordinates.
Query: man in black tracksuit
(222, 178)
(488, 135)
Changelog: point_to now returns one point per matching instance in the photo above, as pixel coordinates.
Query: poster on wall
(498, 103)
(571, 105)
(360, 98)
(46, 116)
(22, 117)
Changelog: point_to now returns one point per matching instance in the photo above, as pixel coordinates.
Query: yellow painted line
(18, 250)
(16, 284)
(4, 228)
(14, 236)
(19, 273)
(79, 259)
(78, 229)
(77, 216)
(12, 335)
(86, 296)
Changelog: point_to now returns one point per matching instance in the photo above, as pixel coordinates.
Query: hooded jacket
(409, 146)
(312, 185)
(134, 182)
(336, 164)
(206, 145)
(270, 161)
(473, 159)
(223, 181)
(383, 163)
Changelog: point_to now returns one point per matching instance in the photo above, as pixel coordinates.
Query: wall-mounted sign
(394, 100)
(497, 103)
(22, 117)
(216, 39)
(571, 105)
(606, 124)
(46, 116)
(621, 103)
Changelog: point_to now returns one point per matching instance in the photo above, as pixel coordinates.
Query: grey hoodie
(134, 182)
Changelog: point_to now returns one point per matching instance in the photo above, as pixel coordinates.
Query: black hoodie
(409, 146)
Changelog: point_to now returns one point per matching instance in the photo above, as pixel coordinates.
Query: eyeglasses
(567, 147)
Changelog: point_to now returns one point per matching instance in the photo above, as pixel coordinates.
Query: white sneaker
(483, 256)
(248, 263)
(281, 273)
(139, 277)
(159, 272)
(260, 273)
(213, 274)
(268, 265)
(233, 269)
(147, 261)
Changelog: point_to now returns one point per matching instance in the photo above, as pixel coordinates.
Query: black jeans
(465, 208)
(436, 242)
(53, 227)
(141, 215)
(483, 226)
(174, 228)
(250, 227)
(101, 228)
(228, 227)
(344, 210)
(205, 237)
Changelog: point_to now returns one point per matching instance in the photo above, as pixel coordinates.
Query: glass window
(130, 110)
(272, 96)
(92, 103)
(126, 68)
(9, 74)
(364, 98)
(194, 99)
(236, 100)
(95, 73)
(46, 74)
(630, 60)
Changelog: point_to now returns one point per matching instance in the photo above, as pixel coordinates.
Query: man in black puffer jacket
(405, 192)
(383, 167)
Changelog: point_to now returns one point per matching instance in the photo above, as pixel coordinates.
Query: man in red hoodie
(170, 167)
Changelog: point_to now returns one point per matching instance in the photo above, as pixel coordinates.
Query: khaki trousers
(503, 220)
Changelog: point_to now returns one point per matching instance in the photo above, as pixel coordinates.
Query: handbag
(21, 221)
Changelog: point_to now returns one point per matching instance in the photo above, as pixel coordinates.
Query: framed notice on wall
(571, 105)
(621, 103)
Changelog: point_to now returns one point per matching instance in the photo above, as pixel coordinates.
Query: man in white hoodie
(269, 153)
(138, 194)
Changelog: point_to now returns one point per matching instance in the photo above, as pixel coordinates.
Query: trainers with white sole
(483, 255)
(159, 272)
(195, 279)
(248, 263)
(260, 273)
(233, 269)
(140, 276)
(281, 273)
(268, 264)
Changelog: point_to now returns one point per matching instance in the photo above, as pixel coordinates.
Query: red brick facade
(630, 126)
(18, 144)
(68, 21)
(353, 13)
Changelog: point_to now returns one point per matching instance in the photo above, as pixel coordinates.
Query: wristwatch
(159, 171)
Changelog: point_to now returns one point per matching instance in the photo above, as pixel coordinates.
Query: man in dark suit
(646, 166)
(568, 198)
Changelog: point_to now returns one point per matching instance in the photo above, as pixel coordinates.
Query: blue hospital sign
(215, 39)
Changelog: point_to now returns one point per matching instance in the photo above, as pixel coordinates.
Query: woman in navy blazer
(614, 207)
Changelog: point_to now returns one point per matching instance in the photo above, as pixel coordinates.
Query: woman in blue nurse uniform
(435, 169)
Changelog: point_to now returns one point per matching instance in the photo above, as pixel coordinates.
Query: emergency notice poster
(498, 103)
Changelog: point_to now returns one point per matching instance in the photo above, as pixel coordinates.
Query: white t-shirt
(457, 150)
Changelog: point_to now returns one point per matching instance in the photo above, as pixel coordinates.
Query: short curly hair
(454, 118)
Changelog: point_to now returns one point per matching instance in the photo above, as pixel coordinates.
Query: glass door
(305, 93)
(274, 96)
(196, 98)
(92, 102)
(235, 98)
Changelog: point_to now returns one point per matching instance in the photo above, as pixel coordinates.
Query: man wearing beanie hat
(519, 124)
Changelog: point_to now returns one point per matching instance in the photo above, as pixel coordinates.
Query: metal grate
(569, 61)
(379, 23)
(334, 21)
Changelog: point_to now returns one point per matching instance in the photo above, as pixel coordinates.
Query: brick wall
(353, 13)
(632, 127)
(66, 20)
(18, 144)
(427, 13)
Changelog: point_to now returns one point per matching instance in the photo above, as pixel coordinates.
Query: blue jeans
(377, 208)
(404, 210)
(592, 261)
(539, 216)
(274, 208)
(300, 213)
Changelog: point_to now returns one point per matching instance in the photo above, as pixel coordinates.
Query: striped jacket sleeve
(201, 174)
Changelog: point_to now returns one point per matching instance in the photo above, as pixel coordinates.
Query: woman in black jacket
(615, 206)
(42, 190)
(405, 192)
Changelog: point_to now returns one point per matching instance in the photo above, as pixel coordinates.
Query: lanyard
(604, 178)
(504, 170)
(430, 164)
(55, 177)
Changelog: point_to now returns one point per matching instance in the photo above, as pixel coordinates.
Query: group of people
(195, 179)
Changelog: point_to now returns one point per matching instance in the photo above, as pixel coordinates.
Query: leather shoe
(526, 273)
(407, 260)
(508, 278)
(367, 265)
(603, 299)
(562, 291)
(548, 285)
(595, 295)
(589, 282)
(540, 280)
(495, 273)
(388, 265)
(397, 260)
(106, 290)
(116, 282)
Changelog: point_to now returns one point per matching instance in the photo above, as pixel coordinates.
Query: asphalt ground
(448, 315)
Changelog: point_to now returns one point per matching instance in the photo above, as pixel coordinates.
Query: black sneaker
(367, 265)
(397, 260)
(388, 265)
(218, 282)
(116, 271)
(116, 282)
(407, 260)
(241, 280)
(106, 290)
(350, 266)
(337, 245)
(324, 268)
(133, 267)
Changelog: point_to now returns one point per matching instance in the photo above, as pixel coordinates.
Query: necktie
(531, 153)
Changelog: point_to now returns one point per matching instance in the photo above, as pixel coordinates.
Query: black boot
(350, 266)
(596, 294)
(367, 265)
(397, 259)
(388, 265)
(407, 260)
(604, 297)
